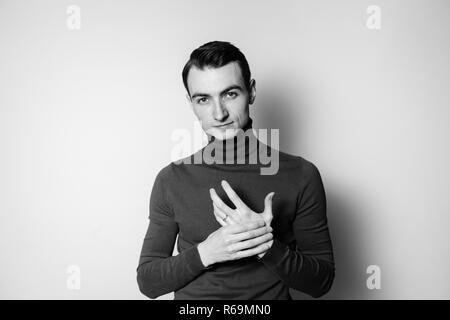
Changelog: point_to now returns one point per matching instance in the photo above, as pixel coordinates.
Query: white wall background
(86, 118)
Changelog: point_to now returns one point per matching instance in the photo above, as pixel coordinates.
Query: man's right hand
(234, 242)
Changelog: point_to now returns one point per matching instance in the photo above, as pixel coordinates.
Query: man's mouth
(223, 125)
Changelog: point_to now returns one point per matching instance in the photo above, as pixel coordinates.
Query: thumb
(268, 203)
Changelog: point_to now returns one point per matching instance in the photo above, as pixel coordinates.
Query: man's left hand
(227, 216)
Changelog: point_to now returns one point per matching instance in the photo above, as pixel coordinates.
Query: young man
(258, 245)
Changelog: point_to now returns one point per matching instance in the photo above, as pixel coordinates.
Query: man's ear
(252, 93)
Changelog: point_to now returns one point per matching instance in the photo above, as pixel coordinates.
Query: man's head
(219, 87)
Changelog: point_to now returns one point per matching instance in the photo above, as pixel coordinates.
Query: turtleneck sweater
(301, 255)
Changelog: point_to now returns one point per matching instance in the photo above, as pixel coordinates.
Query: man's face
(220, 99)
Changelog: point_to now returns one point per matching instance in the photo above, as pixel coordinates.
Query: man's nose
(220, 111)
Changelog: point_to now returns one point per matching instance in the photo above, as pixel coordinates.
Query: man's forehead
(214, 80)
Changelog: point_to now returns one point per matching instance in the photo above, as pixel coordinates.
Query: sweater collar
(244, 144)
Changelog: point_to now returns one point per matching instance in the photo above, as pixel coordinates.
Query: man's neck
(236, 149)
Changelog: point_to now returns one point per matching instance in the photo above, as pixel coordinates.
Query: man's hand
(227, 216)
(235, 242)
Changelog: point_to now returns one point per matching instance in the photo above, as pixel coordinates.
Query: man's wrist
(203, 256)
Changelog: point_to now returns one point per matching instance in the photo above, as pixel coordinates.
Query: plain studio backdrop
(87, 116)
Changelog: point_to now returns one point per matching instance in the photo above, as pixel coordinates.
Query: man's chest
(193, 208)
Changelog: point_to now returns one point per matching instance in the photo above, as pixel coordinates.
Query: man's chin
(222, 134)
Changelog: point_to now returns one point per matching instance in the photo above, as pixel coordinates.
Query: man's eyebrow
(234, 86)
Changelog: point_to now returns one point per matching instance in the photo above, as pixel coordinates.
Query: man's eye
(202, 100)
(231, 94)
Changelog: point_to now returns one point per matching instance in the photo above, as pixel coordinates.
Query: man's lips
(223, 125)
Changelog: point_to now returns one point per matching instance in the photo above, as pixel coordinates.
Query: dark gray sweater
(301, 256)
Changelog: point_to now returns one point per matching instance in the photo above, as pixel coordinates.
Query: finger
(251, 243)
(268, 201)
(227, 220)
(220, 221)
(267, 213)
(252, 252)
(250, 234)
(231, 218)
(240, 205)
(241, 227)
(219, 203)
(219, 212)
(223, 209)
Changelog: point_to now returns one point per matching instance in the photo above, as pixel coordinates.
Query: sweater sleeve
(307, 265)
(159, 272)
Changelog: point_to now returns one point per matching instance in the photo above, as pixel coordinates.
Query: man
(258, 245)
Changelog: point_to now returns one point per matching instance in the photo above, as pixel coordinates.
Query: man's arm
(309, 267)
(158, 271)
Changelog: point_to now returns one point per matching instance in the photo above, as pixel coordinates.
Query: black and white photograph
(224, 150)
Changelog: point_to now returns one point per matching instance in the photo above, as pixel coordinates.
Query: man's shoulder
(169, 171)
(165, 173)
(302, 164)
(302, 171)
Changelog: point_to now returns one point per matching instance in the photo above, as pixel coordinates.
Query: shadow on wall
(283, 108)
(350, 255)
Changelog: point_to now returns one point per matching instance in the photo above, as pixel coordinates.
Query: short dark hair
(216, 54)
